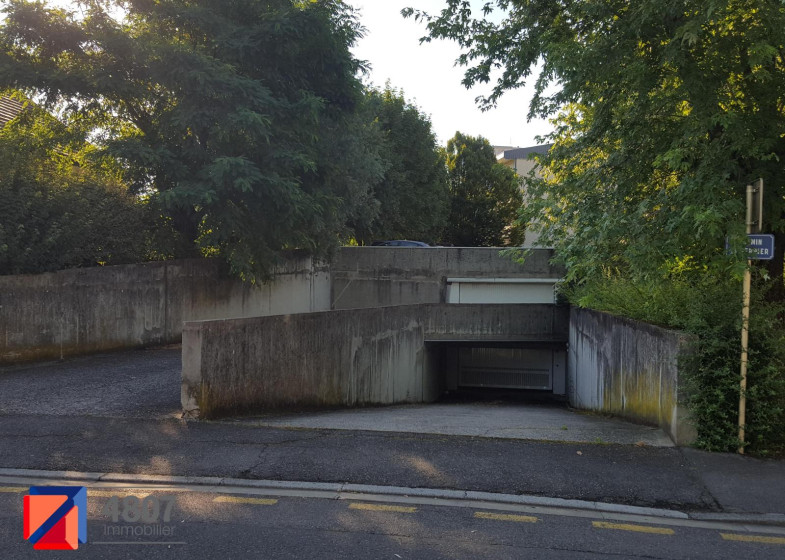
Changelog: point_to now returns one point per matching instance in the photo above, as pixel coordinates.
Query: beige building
(522, 161)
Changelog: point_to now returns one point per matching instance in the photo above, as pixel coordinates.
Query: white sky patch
(428, 76)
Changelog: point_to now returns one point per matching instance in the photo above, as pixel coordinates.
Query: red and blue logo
(55, 517)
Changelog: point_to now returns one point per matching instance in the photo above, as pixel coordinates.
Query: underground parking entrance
(512, 371)
(491, 389)
(390, 369)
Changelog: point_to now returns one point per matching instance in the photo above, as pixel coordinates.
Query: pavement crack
(262, 443)
(693, 474)
(247, 473)
(295, 440)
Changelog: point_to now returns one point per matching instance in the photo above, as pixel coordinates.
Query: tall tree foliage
(665, 110)
(413, 193)
(237, 115)
(60, 206)
(484, 196)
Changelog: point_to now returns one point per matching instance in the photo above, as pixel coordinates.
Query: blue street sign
(760, 246)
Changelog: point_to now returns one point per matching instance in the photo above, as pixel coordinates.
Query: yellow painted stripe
(383, 507)
(12, 489)
(505, 517)
(118, 493)
(255, 501)
(753, 538)
(636, 528)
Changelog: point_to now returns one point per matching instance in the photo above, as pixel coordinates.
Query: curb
(348, 491)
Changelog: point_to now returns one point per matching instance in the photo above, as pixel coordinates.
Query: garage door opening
(480, 371)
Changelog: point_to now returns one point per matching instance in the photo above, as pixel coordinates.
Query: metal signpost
(760, 247)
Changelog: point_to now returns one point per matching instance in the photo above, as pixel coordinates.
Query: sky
(428, 76)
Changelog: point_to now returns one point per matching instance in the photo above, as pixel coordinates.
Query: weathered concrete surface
(380, 276)
(509, 420)
(342, 358)
(90, 310)
(627, 368)
(497, 322)
(314, 359)
(202, 290)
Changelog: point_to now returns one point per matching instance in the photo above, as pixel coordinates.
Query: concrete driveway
(495, 419)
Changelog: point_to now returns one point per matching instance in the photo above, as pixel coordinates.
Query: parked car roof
(399, 243)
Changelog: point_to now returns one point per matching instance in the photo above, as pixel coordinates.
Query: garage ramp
(495, 419)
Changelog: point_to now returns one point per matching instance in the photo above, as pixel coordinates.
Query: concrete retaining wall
(80, 311)
(380, 276)
(341, 358)
(627, 368)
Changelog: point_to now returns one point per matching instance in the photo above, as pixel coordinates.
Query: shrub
(60, 205)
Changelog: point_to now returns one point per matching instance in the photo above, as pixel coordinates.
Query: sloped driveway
(133, 384)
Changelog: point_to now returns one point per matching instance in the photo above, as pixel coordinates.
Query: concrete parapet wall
(380, 276)
(79, 311)
(627, 368)
(341, 358)
(498, 322)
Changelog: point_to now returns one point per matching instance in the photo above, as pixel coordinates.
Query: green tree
(413, 193)
(485, 196)
(60, 206)
(665, 111)
(238, 117)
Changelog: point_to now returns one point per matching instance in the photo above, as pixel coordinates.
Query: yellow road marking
(255, 501)
(505, 517)
(636, 528)
(12, 489)
(119, 493)
(382, 507)
(753, 538)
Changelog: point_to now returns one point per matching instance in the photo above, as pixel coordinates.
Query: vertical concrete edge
(191, 381)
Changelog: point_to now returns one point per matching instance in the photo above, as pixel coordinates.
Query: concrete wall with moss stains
(627, 368)
(344, 357)
(379, 276)
(82, 311)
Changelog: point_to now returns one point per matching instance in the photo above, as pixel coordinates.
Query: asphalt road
(631, 475)
(120, 413)
(135, 384)
(207, 525)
